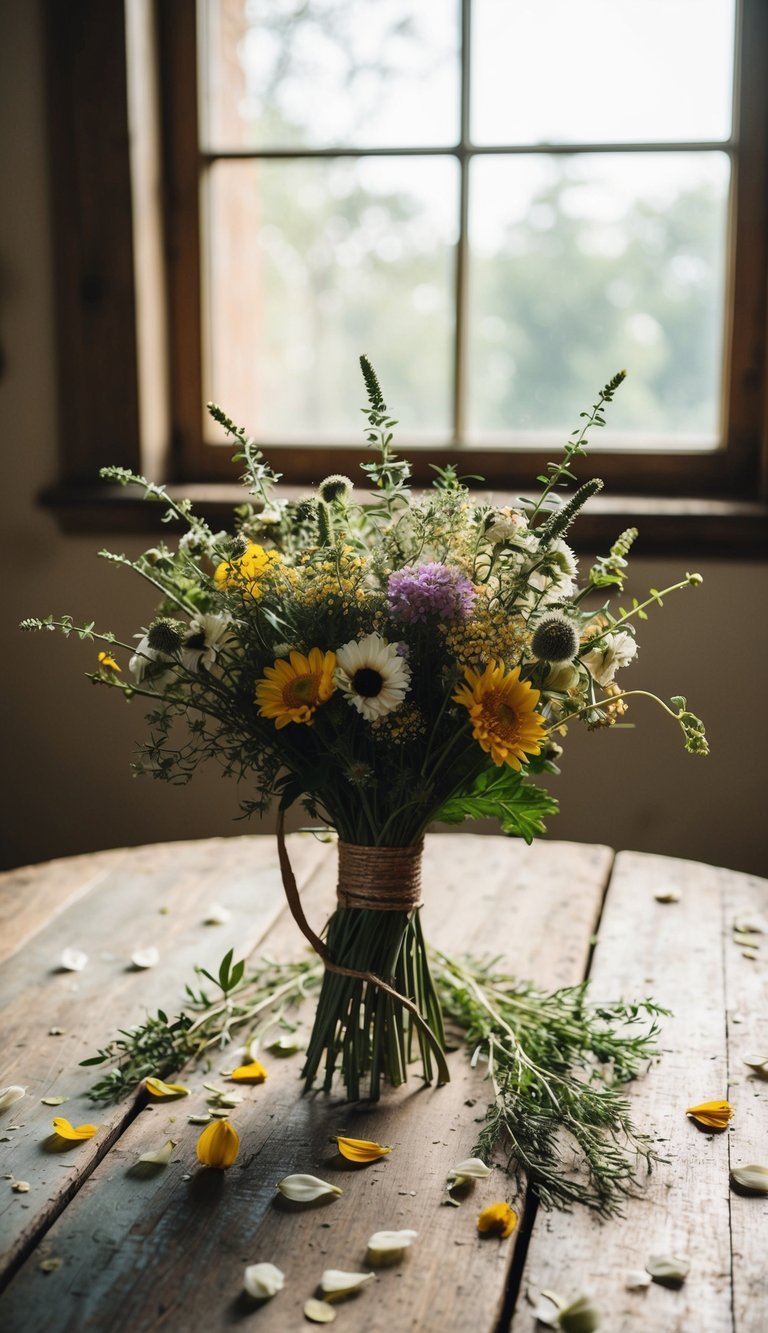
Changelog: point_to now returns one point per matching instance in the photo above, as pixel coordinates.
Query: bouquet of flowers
(389, 661)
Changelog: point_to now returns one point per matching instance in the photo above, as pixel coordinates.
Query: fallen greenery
(556, 1062)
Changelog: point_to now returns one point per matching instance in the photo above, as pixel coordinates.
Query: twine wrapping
(297, 911)
(383, 879)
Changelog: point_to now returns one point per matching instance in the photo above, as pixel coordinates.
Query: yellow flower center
(301, 692)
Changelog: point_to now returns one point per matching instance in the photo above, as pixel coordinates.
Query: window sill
(668, 526)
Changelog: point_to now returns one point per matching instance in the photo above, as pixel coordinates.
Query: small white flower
(373, 676)
(262, 1281)
(73, 960)
(611, 653)
(505, 525)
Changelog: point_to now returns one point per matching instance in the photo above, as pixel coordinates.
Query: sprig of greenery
(558, 474)
(260, 476)
(389, 474)
(556, 1064)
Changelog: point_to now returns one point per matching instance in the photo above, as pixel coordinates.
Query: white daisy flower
(146, 662)
(373, 676)
(204, 640)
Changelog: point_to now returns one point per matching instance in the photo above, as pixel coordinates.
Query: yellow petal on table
(73, 1133)
(165, 1091)
(218, 1144)
(361, 1150)
(498, 1219)
(711, 1115)
(252, 1073)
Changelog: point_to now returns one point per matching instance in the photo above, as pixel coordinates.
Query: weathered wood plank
(673, 952)
(51, 1019)
(32, 896)
(746, 901)
(170, 1252)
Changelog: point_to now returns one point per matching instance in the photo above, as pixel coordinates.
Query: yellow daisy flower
(247, 570)
(502, 708)
(291, 691)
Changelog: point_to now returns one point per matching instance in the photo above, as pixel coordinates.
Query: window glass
(601, 71)
(312, 262)
(579, 258)
(299, 73)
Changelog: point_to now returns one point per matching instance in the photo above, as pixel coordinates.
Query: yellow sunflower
(290, 691)
(502, 708)
(247, 570)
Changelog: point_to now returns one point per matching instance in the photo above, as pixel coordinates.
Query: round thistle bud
(555, 639)
(305, 511)
(335, 489)
(165, 635)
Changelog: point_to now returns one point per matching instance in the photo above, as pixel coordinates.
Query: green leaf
(501, 793)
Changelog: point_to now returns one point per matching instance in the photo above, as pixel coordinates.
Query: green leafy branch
(389, 474)
(260, 476)
(557, 474)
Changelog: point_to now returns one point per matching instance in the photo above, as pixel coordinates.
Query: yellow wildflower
(108, 662)
(498, 1219)
(73, 1133)
(361, 1150)
(247, 571)
(218, 1144)
(503, 711)
(711, 1115)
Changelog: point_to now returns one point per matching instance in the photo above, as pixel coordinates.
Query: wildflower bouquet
(387, 662)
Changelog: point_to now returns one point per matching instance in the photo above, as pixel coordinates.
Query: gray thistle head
(165, 635)
(335, 489)
(556, 638)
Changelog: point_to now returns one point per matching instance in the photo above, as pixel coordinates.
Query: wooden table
(91, 1247)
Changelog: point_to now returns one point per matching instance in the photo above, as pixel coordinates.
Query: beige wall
(67, 746)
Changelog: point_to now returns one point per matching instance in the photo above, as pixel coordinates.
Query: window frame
(97, 314)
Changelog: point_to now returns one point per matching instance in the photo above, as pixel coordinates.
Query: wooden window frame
(685, 495)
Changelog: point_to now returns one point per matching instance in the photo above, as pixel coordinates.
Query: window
(493, 201)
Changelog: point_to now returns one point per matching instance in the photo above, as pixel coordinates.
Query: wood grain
(51, 1019)
(170, 1252)
(673, 952)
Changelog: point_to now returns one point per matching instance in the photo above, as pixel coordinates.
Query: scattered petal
(252, 1073)
(748, 938)
(758, 1066)
(262, 1281)
(319, 1312)
(748, 924)
(751, 954)
(711, 1115)
(20, 1187)
(199, 1119)
(305, 1189)
(471, 1169)
(231, 1099)
(498, 1219)
(56, 1032)
(10, 1095)
(388, 1247)
(73, 960)
(669, 1270)
(285, 1046)
(335, 1284)
(50, 1265)
(53, 1101)
(73, 1133)
(670, 895)
(144, 958)
(752, 1178)
(219, 916)
(160, 1158)
(581, 1316)
(637, 1277)
(218, 1144)
(165, 1091)
(361, 1150)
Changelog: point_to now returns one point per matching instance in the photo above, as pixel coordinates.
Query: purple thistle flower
(421, 592)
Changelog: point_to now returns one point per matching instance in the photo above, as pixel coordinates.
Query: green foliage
(501, 793)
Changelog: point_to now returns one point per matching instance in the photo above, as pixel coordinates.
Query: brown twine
(383, 879)
(297, 911)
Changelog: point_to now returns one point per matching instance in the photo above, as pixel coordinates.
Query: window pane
(601, 71)
(287, 73)
(312, 263)
(584, 264)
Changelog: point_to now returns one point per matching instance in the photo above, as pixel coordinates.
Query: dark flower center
(367, 682)
(195, 641)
